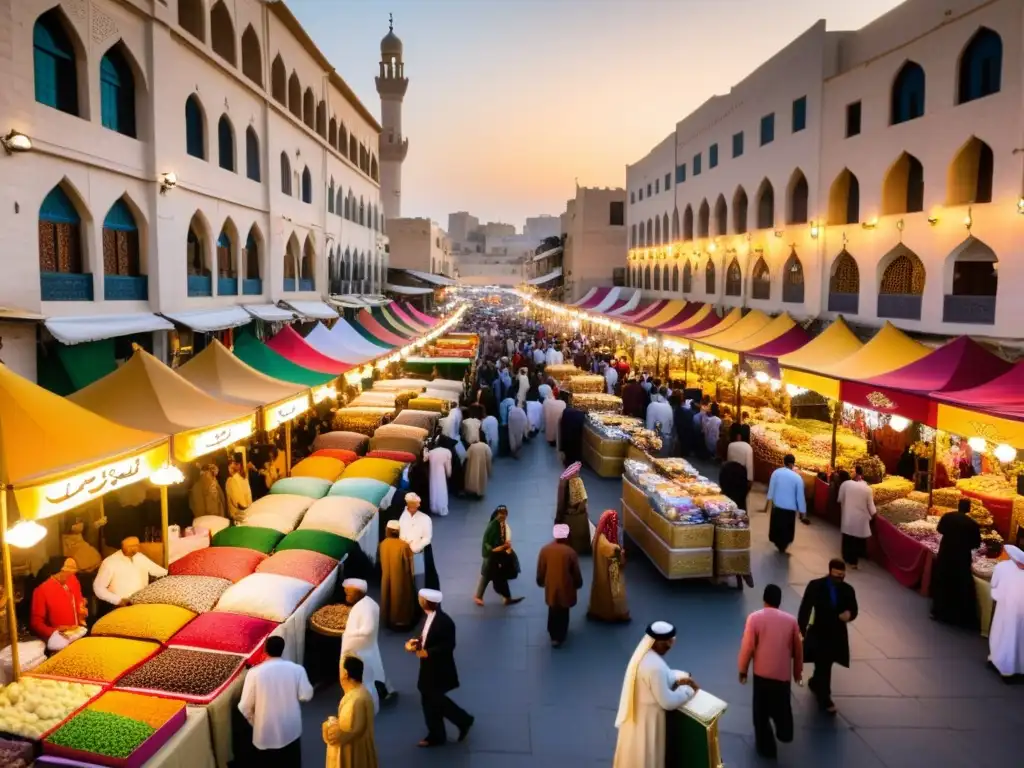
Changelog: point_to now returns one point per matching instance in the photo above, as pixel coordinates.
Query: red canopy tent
(962, 368)
(290, 345)
(369, 322)
(1002, 395)
(765, 358)
(691, 308)
(709, 322)
(420, 317)
(643, 312)
(594, 299)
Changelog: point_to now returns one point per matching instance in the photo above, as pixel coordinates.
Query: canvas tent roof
(290, 345)
(258, 355)
(218, 372)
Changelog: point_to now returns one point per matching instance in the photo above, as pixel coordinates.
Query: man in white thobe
(538, 355)
(1006, 637)
(648, 690)
(417, 530)
(124, 573)
(857, 503)
(440, 460)
(489, 429)
(238, 491)
(660, 412)
(611, 377)
(360, 639)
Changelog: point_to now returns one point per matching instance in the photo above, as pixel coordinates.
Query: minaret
(391, 85)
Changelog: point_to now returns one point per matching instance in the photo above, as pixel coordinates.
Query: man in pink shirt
(772, 639)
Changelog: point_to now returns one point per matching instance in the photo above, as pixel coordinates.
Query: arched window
(343, 139)
(650, 233)
(709, 278)
(225, 144)
(981, 66)
(721, 216)
(330, 196)
(903, 189)
(226, 259)
(845, 277)
(222, 32)
(844, 199)
(252, 154)
(339, 202)
(657, 232)
(734, 279)
(120, 246)
(675, 278)
(195, 128)
(688, 223)
(286, 175)
(657, 277)
(975, 268)
(766, 206)
(309, 109)
(279, 81)
(904, 274)
(252, 284)
(191, 18)
(739, 211)
(295, 95)
(704, 219)
(362, 212)
(347, 213)
(761, 280)
(353, 149)
(321, 119)
(117, 92)
(200, 280)
(687, 277)
(664, 228)
(291, 263)
(307, 185)
(60, 235)
(798, 197)
(252, 58)
(793, 280)
(54, 63)
(908, 94)
(647, 277)
(632, 236)
(675, 224)
(970, 176)
(373, 168)
(332, 132)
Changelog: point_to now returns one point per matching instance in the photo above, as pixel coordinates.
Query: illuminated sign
(276, 415)
(69, 492)
(326, 392)
(192, 445)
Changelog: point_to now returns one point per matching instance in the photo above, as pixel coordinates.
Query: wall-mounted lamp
(815, 231)
(1020, 205)
(968, 220)
(933, 220)
(900, 225)
(870, 224)
(712, 247)
(779, 233)
(168, 181)
(15, 141)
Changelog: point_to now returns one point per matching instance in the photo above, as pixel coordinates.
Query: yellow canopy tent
(834, 344)
(888, 350)
(55, 456)
(734, 316)
(665, 314)
(146, 394)
(691, 321)
(219, 373)
(775, 328)
(995, 429)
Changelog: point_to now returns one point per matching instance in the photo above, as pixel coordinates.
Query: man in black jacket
(435, 648)
(834, 605)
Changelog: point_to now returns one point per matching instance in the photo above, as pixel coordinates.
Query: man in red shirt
(772, 640)
(58, 610)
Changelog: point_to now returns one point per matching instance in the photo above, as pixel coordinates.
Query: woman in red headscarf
(608, 588)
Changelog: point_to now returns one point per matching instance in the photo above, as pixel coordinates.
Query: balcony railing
(793, 293)
(252, 286)
(899, 306)
(847, 303)
(125, 287)
(980, 310)
(289, 284)
(307, 285)
(227, 286)
(200, 285)
(65, 286)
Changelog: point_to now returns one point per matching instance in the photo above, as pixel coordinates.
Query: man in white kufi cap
(435, 648)
(417, 530)
(649, 689)
(360, 639)
(1006, 638)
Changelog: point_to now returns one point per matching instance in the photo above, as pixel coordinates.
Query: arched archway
(797, 196)
(688, 223)
(307, 185)
(664, 228)
(321, 119)
(761, 280)
(675, 224)
(307, 274)
(766, 205)
(227, 259)
(844, 199)
(903, 189)
(56, 56)
(721, 216)
(60, 246)
(657, 233)
(309, 109)
(252, 154)
(844, 284)
(969, 179)
(704, 219)
(252, 279)
(286, 175)
(734, 278)
(198, 250)
(739, 211)
(195, 127)
(225, 144)
(295, 95)
(291, 263)
(374, 172)
(122, 257)
(687, 277)
(192, 18)
(222, 32)
(709, 277)
(332, 132)
(252, 57)
(971, 282)
(793, 279)
(117, 91)
(279, 81)
(647, 277)
(908, 93)
(657, 277)
(981, 66)
(675, 278)
(901, 284)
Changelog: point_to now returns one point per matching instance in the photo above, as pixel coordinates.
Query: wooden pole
(931, 468)
(835, 430)
(288, 448)
(5, 552)
(164, 522)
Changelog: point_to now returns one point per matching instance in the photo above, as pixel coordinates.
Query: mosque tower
(391, 85)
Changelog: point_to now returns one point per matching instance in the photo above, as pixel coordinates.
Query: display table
(219, 715)
(293, 630)
(603, 455)
(1000, 507)
(908, 560)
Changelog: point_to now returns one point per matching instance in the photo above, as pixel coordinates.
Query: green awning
(258, 355)
(87, 362)
(438, 360)
(382, 316)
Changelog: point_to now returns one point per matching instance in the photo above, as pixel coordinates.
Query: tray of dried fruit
(195, 676)
(117, 729)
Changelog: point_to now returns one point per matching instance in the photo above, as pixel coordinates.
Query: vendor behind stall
(123, 574)
(58, 609)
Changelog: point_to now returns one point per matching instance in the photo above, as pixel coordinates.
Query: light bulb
(899, 423)
(761, 377)
(977, 444)
(166, 475)
(25, 533)
(1005, 453)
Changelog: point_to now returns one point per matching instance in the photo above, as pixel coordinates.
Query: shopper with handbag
(500, 562)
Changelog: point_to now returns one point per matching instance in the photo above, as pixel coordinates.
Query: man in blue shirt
(786, 494)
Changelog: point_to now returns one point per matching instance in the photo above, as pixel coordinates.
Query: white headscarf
(1015, 554)
(626, 700)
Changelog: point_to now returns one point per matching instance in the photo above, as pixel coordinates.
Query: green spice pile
(102, 733)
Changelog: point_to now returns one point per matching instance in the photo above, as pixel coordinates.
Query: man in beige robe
(350, 736)
(478, 468)
(397, 584)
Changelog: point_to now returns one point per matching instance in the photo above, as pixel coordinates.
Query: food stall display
(34, 705)
(562, 372)
(607, 438)
(809, 440)
(593, 402)
(184, 673)
(363, 420)
(585, 383)
(682, 521)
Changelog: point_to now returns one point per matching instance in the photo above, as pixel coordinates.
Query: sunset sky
(510, 101)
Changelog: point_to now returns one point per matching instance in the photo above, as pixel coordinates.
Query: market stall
(290, 345)
(262, 358)
(607, 438)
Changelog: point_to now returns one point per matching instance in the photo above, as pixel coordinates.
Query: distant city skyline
(509, 103)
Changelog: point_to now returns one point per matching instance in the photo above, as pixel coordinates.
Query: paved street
(917, 693)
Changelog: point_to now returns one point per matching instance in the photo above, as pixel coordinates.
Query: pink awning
(691, 308)
(709, 322)
(595, 298)
(290, 345)
(396, 309)
(369, 322)
(644, 312)
(415, 314)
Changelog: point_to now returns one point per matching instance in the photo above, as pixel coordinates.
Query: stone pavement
(917, 693)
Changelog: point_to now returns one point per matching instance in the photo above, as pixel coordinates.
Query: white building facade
(871, 173)
(240, 171)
